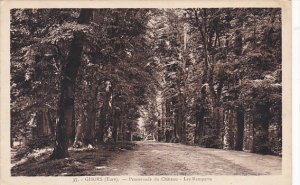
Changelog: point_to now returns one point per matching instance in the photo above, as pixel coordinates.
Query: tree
(65, 123)
(35, 65)
(210, 77)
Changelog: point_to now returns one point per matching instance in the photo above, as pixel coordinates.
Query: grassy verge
(81, 162)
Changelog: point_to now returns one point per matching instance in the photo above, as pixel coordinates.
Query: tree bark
(169, 119)
(121, 123)
(65, 124)
(116, 120)
(91, 117)
(80, 127)
(103, 114)
(181, 119)
(176, 134)
(163, 120)
(199, 125)
(44, 124)
(102, 123)
(240, 130)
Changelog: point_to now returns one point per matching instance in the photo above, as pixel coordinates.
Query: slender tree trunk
(176, 127)
(115, 125)
(196, 133)
(229, 120)
(38, 130)
(163, 120)
(240, 130)
(11, 141)
(121, 123)
(121, 128)
(72, 128)
(103, 114)
(90, 124)
(44, 125)
(50, 122)
(102, 123)
(130, 135)
(158, 130)
(168, 121)
(66, 103)
(181, 119)
(114, 119)
(91, 118)
(80, 128)
(199, 126)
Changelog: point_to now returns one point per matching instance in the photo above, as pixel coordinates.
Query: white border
(296, 90)
(283, 179)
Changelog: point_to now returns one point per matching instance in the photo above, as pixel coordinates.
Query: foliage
(181, 70)
(34, 144)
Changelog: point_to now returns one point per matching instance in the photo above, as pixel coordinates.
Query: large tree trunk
(65, 125)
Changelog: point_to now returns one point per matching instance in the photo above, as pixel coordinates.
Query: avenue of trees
(207, 77)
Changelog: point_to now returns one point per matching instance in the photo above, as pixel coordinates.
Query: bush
(211, 141)
(32, 144)
(261, 144)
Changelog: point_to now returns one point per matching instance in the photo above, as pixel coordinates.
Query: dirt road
(152, 158)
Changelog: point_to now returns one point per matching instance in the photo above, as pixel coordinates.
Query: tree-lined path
(88, 83)
(153, 158)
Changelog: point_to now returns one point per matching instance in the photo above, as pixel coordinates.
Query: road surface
(153, 158)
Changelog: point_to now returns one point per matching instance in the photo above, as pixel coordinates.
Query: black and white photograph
(146, 92)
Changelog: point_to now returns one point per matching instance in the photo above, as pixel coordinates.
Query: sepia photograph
(149, 94)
